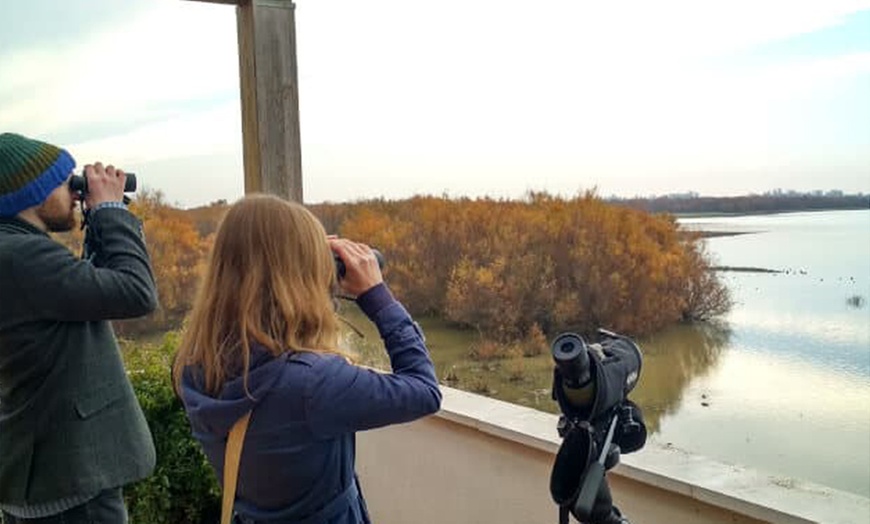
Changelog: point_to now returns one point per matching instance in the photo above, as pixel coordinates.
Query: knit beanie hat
(29, 171)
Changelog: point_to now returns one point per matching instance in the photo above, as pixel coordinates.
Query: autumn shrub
(183, 487)
(502, 267)
(178, 256)
(422, 238)
(486, 349)
(479, 385)
(579, 264)
(452, 377)
(705, 295)
(535, 343)
(516, 370)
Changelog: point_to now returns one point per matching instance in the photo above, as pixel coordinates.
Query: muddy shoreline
(746, 269)
(740, 269)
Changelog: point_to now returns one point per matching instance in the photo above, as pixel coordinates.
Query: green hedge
(183, 488)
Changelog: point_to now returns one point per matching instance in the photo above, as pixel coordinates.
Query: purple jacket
(298, 459)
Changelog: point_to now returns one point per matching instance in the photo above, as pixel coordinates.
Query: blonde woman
(263, 336)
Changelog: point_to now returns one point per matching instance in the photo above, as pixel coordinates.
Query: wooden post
(270, 96)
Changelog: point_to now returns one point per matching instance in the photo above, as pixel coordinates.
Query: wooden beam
(270, 97)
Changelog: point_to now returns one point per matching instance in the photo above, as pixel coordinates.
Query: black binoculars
(79, 183)
(341, 270)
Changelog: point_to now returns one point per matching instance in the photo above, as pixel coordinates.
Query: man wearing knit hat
(71, 431)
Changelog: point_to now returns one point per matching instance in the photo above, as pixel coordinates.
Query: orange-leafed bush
(503, 267)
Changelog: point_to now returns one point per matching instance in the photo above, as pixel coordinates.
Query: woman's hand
(362, 271)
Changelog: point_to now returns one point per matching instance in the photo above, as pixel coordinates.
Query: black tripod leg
(619, 518)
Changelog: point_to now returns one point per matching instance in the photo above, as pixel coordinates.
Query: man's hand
(362, 271)
(104, 184)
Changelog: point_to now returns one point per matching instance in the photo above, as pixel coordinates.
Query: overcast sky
(461, 97)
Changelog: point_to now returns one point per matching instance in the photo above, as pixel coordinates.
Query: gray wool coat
(70, 424)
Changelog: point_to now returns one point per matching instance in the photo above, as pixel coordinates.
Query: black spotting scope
(591, 383)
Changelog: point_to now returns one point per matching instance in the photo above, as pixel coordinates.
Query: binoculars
(341, 270)
(79, 183)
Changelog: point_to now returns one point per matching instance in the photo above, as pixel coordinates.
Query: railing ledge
(738, 489)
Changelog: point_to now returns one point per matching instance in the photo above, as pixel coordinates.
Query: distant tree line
(770, 202)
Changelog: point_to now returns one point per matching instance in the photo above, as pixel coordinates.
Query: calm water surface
(781, 384)
(789, 392)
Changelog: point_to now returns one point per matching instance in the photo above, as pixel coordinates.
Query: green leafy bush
(183, 488)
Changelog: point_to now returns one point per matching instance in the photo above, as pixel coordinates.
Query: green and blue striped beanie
(29, 171)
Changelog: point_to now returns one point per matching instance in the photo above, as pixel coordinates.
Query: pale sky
(461, 97)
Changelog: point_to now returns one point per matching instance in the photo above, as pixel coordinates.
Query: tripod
(593, 503)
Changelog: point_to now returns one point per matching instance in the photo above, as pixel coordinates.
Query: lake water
(789, 391)
(781, 384)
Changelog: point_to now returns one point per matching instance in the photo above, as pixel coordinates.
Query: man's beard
(58, 222)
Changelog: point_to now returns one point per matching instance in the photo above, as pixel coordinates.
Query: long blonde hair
(268, 281)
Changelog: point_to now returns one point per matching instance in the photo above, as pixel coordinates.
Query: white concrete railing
(481, 460)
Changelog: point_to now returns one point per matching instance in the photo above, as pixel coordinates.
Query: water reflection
(855, 301)
(672, 360)
(517, 379)
(798, 361)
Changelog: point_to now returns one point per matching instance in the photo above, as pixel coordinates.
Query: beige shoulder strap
(232, 457)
